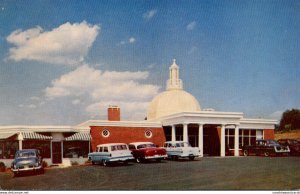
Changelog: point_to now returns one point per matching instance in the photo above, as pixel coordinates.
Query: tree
(290, 120)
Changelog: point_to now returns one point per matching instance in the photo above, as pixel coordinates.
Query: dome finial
(174, 61)
(174, 83)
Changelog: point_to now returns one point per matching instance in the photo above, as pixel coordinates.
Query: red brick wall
(126, 135)
(269, 134)
(114, 114)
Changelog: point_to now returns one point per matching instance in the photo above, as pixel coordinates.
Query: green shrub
(44, 164)
(88, 162)
(2, 167)
(74, 163)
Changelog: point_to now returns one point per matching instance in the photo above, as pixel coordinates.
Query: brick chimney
(113, 113)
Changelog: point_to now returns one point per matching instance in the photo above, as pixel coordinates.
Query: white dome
(172, 101)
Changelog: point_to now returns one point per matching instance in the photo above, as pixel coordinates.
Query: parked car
(181, 149)
(109, 153)
(27, 160)
(143, 151)
(265, 147)
(293, 144)
(74, 152)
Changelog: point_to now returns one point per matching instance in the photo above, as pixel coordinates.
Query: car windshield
(187, 144)
(118, 147)
(292, 141)
(150, 145)
(26, 154)
(272, 142)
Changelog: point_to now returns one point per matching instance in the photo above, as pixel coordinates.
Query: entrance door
(56, 153)
(211, 141)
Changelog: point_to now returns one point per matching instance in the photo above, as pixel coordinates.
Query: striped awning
(33, 135)
(79, 137)
(6, 135)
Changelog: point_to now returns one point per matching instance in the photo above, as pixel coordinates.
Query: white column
(20, 144)
(200, 139)
(173, 133)
(236, 141)
(20, 138)
(223, 140)
(185, 132)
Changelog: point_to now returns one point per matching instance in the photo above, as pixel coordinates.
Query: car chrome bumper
(156, 157)
(282, 150)
(120, 159)
(26, 169)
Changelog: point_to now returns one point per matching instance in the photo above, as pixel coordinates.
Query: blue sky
(64, 62)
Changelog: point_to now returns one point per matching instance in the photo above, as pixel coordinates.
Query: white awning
(79, 137)
(6, 135)
(33, 135)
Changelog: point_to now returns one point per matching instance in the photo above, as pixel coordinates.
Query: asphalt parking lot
(231, 173)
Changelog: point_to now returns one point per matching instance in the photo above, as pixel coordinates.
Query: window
(259, 134)
(43, 146)
(131, 147)
(105, 133)
(249, 137)
(229, 138)
(105, 149)
(113, 148)
(8, 148)
(76, 149)
(148, 133)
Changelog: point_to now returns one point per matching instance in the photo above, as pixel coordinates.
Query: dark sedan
(293, 144)
(27, 160)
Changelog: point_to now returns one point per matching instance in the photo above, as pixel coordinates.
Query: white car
(181, 149)
(111, 152)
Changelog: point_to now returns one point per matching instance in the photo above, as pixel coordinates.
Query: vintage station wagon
(112, 152)
(181, 149)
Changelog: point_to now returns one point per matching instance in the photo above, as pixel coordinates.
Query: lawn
(294, 134)
(230, 173)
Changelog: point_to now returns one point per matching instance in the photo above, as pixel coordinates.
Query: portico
(226, 126)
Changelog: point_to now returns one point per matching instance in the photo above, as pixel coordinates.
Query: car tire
(174, 158)
(158, 160)
(191, 158)
(246, 153)
(93, 162)
(104, 163)
(140, 160)
(267, 153)
(125, 162)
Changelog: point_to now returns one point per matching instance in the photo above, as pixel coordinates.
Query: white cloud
(131, 40)
(31, 106)
(76, 101)
(149, 14)
(103, 88)
(151, 66)
(67, 44)
(34, 98)
(191, 25)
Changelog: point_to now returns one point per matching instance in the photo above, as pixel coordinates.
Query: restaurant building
(172, 115)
